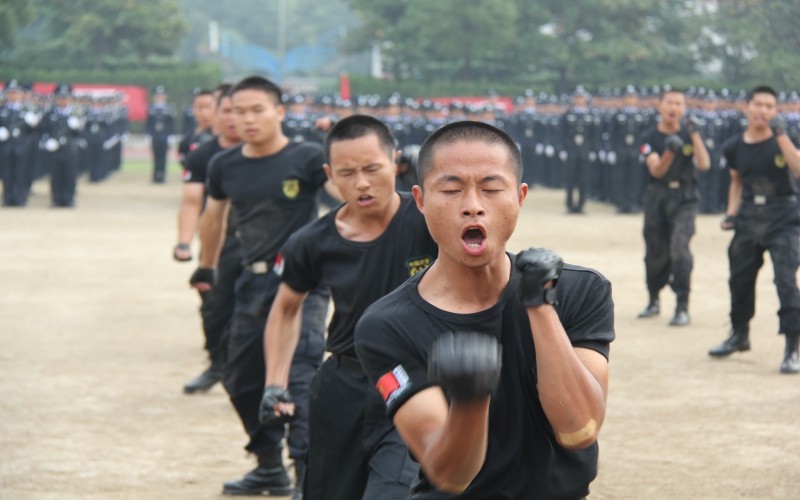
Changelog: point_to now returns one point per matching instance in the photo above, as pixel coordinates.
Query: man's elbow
(580, 439)
(454, 486)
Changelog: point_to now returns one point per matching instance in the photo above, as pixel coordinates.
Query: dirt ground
(99, 331)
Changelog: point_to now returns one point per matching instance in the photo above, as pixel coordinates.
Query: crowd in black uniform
(60, 135)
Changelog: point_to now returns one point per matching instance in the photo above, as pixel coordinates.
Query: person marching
(362, 250)
(160, 128)
(672, 154)
(62, 129)
(763, 213)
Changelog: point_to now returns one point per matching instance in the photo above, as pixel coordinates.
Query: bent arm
(658, 165)
(282, 334)
(790, 152)
(450, 444)
(734, 193)
(572, 382)
(702, 159)
(189, 212)
(212, 231)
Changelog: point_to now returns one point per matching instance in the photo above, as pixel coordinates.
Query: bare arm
(189, 212)
(734, 193)
(702, 159)
(572, 382)
(790, 153)
(658, 165)
(212, 231)
(450, 444)
(282, 334)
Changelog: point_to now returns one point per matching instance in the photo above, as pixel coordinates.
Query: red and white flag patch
(186, 175)
(393, 384)
(645, 149)
(278, 267)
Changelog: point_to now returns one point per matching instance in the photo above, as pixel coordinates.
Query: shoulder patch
(278, 267)
(645, 149)
(393, 384)
(186, 175)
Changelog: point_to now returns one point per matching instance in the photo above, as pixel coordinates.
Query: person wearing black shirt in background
(495, 377)
(672, 154)
(763, 211)
(271, 184)
(203, 105)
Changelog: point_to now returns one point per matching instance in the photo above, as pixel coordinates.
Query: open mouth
(473, 237)
(365, 198)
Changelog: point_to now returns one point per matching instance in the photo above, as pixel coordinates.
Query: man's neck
(451, 287)
(757, 134)
(226, 143)
(355, 226)
(253, 150)
(669, 128)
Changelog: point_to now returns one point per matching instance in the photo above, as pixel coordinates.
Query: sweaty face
(203, 110)
(761, 109)
(672, 107)
(258, 117)
(226, 125)
(363, 172)
(471, 200)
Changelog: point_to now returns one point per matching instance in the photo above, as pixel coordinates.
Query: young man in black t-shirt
(362, 250)
(494, 377)
(271, 184)
(203, 108)
(672, 154)
(217, 304)
(763, 210)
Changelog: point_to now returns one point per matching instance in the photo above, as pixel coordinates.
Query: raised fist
(268, 412)
(539, 266)
(674, 143)
(778, 125)
(466, 365)
(693, 124)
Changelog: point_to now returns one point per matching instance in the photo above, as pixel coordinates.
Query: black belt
(760, 199)
(347, 361)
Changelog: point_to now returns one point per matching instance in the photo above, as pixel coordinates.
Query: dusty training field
(99, 331)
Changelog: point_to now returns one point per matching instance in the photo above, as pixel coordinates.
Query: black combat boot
(738, 341)
(207, 379)
(791, 357)
(270, 478)
(653, 308)
(681, 317)
(300, 476)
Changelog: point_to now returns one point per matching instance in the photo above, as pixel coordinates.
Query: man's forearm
(188, 218)
(790, 153)
(212, 232)
(281, 336)
(701, 157)
(658, 167)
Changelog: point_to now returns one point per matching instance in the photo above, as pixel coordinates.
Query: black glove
(674, 143)
(184, 247)
(692, 124)
(778, 125)
(204, 275)
(273, 395)
(538, 266)
(466, 365)
(728, 223)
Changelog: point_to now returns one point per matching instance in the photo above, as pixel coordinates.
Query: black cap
(14, 85)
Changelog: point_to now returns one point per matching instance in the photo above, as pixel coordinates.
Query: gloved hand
(51, 145)
(182, 252)
(674, 143)
(273, 396)
(4, 134)
(728, 223)
(778, 125)
(693, 124)
(539, 266)
(203, 278)
(466, 365)
(74, 123)
(32, 119)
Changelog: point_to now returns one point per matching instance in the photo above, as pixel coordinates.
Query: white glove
(4, 135)
(539, 148)
(549, 151)
(51, 145)
(602, 155)
(592, 156)
(32, 119)
(562, 155)
(74, 123)
(612, 157)
(172, 139)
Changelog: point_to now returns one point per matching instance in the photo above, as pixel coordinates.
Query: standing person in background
(18, 132)
(203, 106)
(578, 138)
(62, 128)
(271, 184)
(672, 153)
(160, 128)
(217, 304)
(763, 211)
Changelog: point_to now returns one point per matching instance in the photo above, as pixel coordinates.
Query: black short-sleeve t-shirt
(523, 459)
(196, 170)
(761, 166)
(357, 273)
(682, 168)
(272, 196)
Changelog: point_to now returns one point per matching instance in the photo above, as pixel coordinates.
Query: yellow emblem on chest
(291, 188)
(780, 161)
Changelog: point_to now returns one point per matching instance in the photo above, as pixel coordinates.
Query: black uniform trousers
(244, 370)
(218, 303)
(629, 180)
(774, 227)
(63, 166)
(355, 451)
(669, 224)
(95, 155)
(160, 145)
(577, 177)
(17, 173)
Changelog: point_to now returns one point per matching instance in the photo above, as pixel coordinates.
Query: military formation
(60, 135)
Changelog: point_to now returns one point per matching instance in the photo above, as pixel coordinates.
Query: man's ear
(416, 191)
